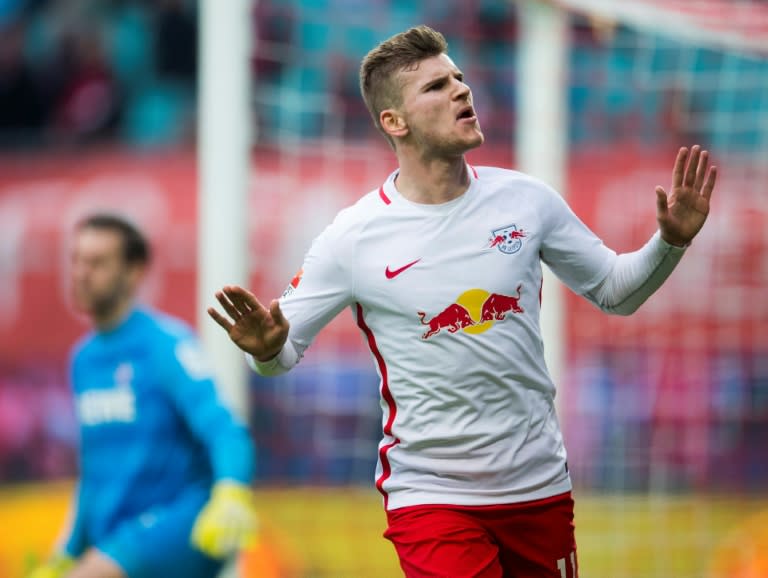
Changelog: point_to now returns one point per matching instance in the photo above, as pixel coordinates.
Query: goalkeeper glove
(227, 522)
(57, 567)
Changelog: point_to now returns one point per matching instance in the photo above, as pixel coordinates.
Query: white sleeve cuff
(636, 276)
(279, 364)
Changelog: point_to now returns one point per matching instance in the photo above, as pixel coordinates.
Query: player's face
(437, 107)
(101, 280)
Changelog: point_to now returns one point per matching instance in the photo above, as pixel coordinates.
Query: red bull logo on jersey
(507, 239)
(475, 311)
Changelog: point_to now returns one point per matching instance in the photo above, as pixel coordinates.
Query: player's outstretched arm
(681, 212)
(255, 329)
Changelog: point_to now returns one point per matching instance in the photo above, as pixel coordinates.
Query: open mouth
(466, 113)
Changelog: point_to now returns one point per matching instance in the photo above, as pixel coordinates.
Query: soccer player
(441, 266)
(165, 465)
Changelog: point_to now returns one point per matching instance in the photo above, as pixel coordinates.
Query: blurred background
(665, 413)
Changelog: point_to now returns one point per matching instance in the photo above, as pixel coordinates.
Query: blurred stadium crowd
(75, 72)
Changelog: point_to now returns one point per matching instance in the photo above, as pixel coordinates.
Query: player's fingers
(199, 530)
(243, 299)
(214, 544)
(701, 170)
(222, 542)
(693, 165)
(276, 313)
(709, 185)
(220, 319)
(226, 302)
(661, 202)
(678, 172)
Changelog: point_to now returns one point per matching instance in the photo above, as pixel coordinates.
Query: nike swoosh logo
(396, 272)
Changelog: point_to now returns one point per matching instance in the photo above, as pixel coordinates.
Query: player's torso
(452, 298)
(119, 397)
(135, 447)
(465, 277)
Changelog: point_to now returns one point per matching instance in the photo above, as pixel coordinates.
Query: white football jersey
(448, 298)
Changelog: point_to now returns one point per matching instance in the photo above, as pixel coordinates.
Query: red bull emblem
(507, 239)
(475, 311)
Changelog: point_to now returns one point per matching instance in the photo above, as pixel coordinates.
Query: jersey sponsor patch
(193, 360)
(113, 405)
(294, 283)
(474, 311)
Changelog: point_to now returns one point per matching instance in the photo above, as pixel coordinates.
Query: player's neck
(111, 319)
(432, 181)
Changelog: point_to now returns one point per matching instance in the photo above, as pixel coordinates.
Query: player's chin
(476, 139)
(86, 303)
(86, 307)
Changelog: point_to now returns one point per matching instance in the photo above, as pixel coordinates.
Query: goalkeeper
(165, 466)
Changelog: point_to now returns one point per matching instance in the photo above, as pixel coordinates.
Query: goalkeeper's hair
(136, 249)
(378, 72)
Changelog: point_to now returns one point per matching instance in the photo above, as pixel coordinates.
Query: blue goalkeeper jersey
(153, 429)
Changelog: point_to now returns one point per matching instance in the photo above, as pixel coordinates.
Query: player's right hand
(57, 567)
(252, 327)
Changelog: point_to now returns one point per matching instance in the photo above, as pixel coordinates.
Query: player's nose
(462, 90)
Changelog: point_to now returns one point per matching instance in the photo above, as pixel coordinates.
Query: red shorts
(527, 540)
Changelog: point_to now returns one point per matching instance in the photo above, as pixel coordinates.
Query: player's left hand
(227, 522)
(682, 212)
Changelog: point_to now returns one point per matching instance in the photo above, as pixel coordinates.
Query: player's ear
(393, 123)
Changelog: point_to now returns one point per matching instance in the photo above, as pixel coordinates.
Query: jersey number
(568, 567)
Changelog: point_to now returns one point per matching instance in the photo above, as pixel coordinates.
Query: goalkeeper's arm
(228, 520)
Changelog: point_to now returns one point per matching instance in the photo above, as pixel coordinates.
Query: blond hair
(378, 71)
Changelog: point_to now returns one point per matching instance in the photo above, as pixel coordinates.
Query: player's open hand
(252, 327)
(682, 212)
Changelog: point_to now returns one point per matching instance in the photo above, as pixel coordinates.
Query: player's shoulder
(164, 326)
(503, 178)
(82, 346)
(174, 338)
(510, 186)
(357, 215)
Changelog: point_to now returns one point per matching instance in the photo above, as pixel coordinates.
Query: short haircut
(378, 71)
(136, 250)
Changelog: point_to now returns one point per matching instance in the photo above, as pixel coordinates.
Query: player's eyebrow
(456, 73)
